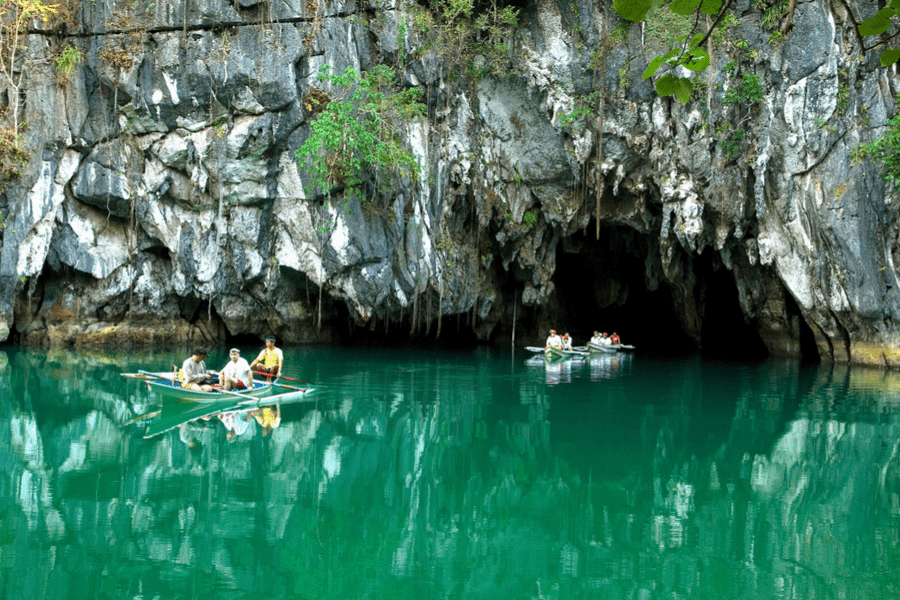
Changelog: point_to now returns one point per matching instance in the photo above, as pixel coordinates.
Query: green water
(425, 474)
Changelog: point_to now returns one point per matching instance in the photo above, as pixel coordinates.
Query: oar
(149, 415)
(290, 387)
(264, 374)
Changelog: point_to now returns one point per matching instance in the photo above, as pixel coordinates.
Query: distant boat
(593, 348)
(551, 353)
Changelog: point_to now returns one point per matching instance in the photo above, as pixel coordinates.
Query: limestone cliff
(163, 202)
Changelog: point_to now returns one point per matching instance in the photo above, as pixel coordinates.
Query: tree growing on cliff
(358, 132)
(707, 15)
(15, 18)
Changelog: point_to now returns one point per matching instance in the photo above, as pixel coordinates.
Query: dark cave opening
(725, 332)
(601, 284)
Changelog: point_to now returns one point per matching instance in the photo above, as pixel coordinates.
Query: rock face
(163, 202)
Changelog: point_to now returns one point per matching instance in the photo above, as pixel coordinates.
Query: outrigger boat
(167, 387)
(551, 353)
(593, 348)
(180, 405)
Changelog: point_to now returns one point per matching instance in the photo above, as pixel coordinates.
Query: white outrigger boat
(168, 387)
(551, 353)
(593, 348)
(180, 405)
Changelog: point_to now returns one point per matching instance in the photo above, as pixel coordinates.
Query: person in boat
(614, 338)
(270, 360)
(268, 418)
(566, 342)
(236, 374)
(596, 339)
(553, 340)
(606, 340)
(193, 372)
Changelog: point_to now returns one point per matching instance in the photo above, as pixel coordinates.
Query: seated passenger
(194, 375)
(236, 374)
(553, 340)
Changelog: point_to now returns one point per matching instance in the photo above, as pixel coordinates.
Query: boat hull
(167, 390)
(599, 349)
(551, 353)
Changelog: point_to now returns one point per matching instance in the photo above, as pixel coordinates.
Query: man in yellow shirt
(270, 360)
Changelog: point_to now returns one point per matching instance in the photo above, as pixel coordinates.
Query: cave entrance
(725, 332)
(602, 284)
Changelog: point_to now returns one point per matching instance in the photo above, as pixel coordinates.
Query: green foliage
(843, 97)
(772, 15)
(619, 34)
(748, 90)
(361, 130)
(584, 104)
(666, 26)
(679, 24)
(529, 219)
(880, 23)
(886, 150)
(476, 40)
(729, 140)
(13, 156)
(67, 59)
(720, 34)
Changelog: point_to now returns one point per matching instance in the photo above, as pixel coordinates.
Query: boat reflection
(609, 366)
(234, 417)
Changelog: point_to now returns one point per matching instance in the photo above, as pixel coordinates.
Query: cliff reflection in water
(464, 477)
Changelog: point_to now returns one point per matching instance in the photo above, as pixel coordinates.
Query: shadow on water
(479, 474)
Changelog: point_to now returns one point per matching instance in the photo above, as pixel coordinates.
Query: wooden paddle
(264, 374)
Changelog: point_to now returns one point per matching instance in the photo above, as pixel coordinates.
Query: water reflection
(609, 366)
(456, 476)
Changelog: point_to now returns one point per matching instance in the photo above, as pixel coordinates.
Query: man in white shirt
(236, 374)
(554, 340)
(597, 339)
(567, 342)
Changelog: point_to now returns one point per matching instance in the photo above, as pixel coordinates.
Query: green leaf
(695, 40)
(880, 23)
(632, 10)
(684, 7)
(711, 7)
(889, 57)
(680, 87)
(697, 59)
(657, 62)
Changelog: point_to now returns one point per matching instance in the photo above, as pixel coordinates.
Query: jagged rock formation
(163, 201)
